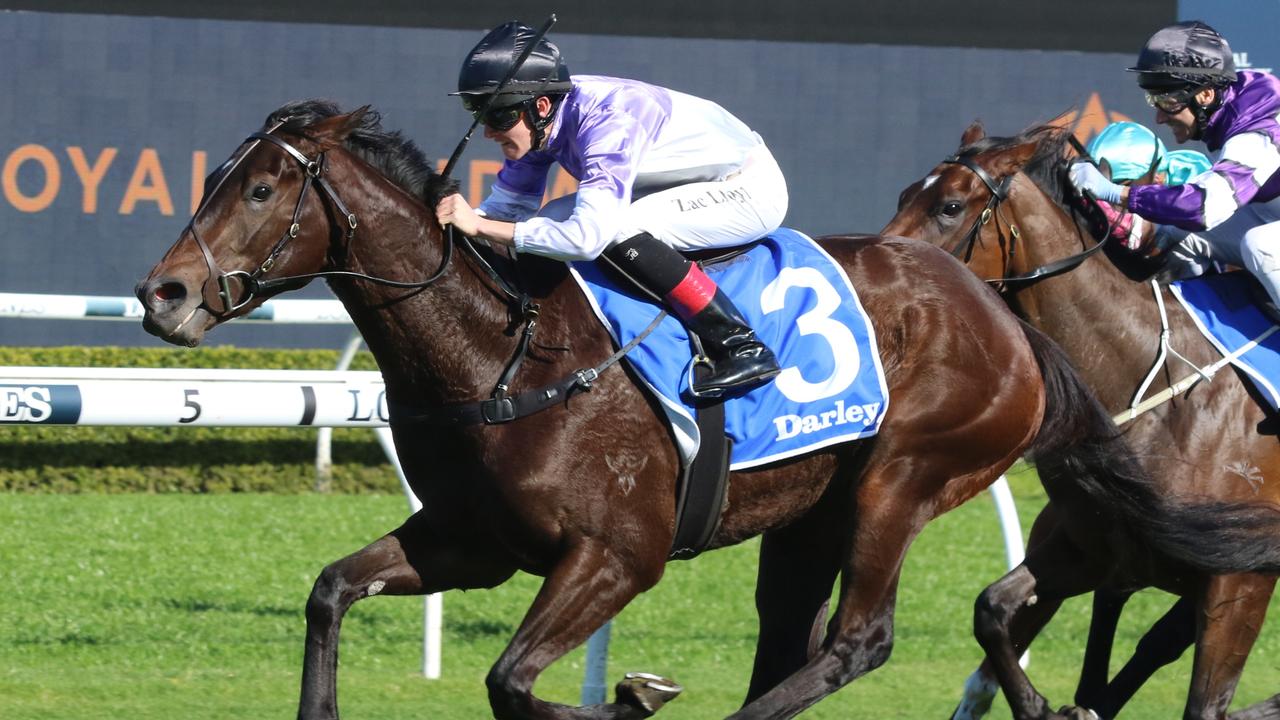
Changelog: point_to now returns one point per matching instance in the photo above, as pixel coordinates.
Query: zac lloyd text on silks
(789, 426)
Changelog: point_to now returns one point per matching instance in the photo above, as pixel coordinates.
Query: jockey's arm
(1247, 162)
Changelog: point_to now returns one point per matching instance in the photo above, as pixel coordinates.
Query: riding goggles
(495, 118)
(1170, 103)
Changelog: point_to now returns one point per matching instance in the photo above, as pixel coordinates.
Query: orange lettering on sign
(90, 176)
(198, 164)
(147, 184)
(52, 178)
(480, 169)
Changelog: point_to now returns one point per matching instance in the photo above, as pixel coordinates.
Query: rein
(221, 304)
(500, 407)
(999, 193)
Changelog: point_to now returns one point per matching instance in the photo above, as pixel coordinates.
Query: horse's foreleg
(981, 687)
(589, 585)
(1268, 709)
(408, 561)
(1164, 643)
(1051, 572)
(1095, 671)
(798, 566)
(1232, 608)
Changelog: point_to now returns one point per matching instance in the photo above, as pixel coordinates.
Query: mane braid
(394, 155)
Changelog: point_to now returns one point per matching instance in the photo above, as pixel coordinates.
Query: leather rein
(219, 300)
(1000, 193)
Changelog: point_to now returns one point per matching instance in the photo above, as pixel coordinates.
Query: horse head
(966, 204)
(268, 221)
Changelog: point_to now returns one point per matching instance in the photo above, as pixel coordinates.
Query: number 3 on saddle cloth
(1226, 312)
(801, 304)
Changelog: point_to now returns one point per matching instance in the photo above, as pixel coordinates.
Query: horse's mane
(1047, 166)
(396, 156)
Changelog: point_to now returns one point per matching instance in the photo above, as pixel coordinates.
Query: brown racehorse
(1215, 442)
(583, 493)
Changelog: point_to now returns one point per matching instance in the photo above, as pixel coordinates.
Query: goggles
(1170, 103)
(495, 118)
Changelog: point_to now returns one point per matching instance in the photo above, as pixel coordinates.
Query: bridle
(501, 407)
(999, 193)
(217, 291)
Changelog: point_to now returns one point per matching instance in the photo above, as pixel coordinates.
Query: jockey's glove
(1087, 177)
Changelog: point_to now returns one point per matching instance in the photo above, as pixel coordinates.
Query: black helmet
(1186, 55)
(543, 73)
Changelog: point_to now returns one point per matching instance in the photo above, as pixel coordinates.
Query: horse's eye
(952, 208)
(261, 192)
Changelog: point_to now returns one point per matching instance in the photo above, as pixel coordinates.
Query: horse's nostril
(170, 291)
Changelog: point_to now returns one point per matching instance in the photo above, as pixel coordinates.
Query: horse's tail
(1079, 446)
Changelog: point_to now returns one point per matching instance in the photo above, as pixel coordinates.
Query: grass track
(182, 606)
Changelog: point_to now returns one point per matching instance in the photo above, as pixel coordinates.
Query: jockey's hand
(1087, 177)
(1127, 228)
(454, 210)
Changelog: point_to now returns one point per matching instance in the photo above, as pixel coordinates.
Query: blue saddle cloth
(801, 304)
(1223, 307)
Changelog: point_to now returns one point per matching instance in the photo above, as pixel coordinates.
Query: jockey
(1233, 211)
(658, 172)
(1130, 150)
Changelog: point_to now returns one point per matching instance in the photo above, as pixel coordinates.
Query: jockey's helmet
(543, 72)
(1185, 56)
(1129, 148)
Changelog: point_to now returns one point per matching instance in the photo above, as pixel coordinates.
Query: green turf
(182, 606)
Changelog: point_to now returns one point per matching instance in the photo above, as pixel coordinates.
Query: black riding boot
(738, 360)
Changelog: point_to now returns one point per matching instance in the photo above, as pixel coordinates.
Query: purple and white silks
(616, 137)
(1243, 137)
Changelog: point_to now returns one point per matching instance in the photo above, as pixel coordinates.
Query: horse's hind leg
(590, 584)
(410, 560)
(798, 567)
(1232, 609)
(1164, 643)
(891, 508)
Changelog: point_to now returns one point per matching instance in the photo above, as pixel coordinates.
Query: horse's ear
(331, 131)
(973, 133)
(1104, 166)
(1008, 162)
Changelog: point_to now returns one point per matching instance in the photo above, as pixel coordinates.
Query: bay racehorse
(1004, 206)
(583, 494)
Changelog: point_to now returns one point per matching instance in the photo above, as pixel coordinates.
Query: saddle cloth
(802, 305)
(1224, 310)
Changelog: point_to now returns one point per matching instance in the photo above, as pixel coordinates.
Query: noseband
(217, 288)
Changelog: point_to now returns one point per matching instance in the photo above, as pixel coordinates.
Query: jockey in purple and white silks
(658, 171)
(1232, 212)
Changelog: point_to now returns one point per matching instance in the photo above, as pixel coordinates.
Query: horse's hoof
(646, 691)
(1071, 712)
